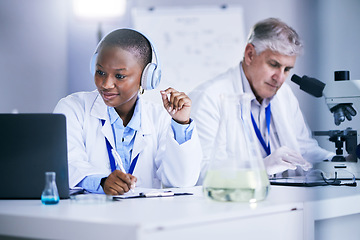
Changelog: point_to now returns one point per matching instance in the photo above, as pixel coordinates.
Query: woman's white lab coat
(161, 161)
(289, 122)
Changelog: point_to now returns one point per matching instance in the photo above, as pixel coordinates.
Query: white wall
(33, 50)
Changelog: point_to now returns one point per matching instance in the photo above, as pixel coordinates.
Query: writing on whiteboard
(194, 44)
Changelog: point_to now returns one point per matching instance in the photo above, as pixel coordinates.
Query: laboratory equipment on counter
(339, 137)
(50, 194)
(342, 97)
(346, 167)
(236, 170)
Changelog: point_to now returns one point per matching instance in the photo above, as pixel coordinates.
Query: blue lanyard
(258, 133)
(112, 159)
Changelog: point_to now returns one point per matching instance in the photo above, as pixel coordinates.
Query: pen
(157, 194)
(119, 162)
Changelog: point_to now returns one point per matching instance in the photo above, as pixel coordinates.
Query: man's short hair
(275, 35)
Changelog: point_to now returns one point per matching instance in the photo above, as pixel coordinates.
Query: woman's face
(117, 77)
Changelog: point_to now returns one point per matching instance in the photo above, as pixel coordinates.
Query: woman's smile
(108, 96)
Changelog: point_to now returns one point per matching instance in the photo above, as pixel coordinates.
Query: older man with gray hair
(285, 140)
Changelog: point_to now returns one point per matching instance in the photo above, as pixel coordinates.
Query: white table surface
(135, 218)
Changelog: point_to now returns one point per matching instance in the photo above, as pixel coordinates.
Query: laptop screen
(30, 145)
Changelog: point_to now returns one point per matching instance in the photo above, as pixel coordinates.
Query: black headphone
(151, 74)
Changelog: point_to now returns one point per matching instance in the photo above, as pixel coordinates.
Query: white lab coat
(289, 122)
(162, 161)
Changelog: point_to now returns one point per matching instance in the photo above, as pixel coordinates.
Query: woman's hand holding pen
(178, 105)
(118, 183)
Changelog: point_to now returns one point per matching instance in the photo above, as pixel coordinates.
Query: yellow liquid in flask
(236, 185)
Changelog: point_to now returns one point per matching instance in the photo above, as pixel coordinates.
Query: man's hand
(283, 159)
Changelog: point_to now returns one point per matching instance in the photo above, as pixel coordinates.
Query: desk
(287, 213)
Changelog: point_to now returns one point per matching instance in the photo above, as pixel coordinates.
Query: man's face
(267, 71)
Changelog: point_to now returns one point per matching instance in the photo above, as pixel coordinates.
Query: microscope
(342, 96)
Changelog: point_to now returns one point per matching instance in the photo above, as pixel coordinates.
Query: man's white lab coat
(289, 122)
(161, 161)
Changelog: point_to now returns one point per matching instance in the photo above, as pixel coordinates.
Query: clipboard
(297, 182)
(151, 194)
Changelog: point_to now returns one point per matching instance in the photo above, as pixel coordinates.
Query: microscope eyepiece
(310, 85)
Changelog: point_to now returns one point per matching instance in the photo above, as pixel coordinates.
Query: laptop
(30, 145)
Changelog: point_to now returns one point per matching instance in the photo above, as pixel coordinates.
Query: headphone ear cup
(150, 77)
(93, 64)
(156, 77)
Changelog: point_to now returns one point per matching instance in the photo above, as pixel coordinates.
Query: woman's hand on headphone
(178, 105)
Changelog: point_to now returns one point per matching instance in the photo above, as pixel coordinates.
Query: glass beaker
(236, 171)
(50, 194)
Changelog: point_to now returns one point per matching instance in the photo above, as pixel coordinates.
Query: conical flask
(50, 194)
(236, 171)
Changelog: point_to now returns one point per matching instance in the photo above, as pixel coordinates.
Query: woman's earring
(141, 90)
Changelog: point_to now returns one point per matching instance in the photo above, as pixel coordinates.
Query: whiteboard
(194, 44)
